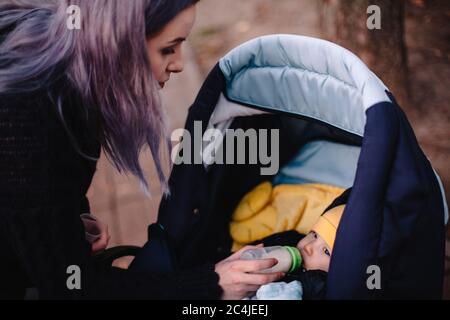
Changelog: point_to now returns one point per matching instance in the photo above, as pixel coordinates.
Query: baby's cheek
(316, 263)
(326, 264)
(307, 263)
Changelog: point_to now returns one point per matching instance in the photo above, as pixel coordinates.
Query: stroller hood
(393, 226)
(304, 76)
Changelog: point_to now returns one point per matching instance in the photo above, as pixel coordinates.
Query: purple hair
(105, 63)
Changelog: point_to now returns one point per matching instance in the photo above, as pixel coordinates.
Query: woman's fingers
(260, 279)
(96, 232)
(249, 290)
(238, 253)
(240, 278)
(254, 265)
(101, 243)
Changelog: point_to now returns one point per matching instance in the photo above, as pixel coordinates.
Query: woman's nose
(176, 66)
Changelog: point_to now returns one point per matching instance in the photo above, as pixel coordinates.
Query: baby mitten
(280, 291)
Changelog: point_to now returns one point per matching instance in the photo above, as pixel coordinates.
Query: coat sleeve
(40, 220)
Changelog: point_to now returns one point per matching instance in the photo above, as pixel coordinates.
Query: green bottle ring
(296, 258)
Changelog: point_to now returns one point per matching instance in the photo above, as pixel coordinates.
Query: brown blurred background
(411, 54)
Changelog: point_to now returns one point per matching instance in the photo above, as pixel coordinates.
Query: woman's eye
(167, 51)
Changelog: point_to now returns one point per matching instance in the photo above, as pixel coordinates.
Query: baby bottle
(289, 258)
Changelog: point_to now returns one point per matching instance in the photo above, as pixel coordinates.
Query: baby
(316, 249)
(317, 246)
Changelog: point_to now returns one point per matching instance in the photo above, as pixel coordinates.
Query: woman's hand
(237, 278)
(96, 232)
(102, 242)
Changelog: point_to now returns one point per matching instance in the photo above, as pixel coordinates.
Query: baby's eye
(325, 250)
(315, 235)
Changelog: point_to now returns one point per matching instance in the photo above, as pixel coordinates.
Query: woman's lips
(161, 84)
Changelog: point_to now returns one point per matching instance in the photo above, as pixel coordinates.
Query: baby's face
(315, 252)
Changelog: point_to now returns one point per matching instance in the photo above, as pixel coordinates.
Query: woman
(66, 93)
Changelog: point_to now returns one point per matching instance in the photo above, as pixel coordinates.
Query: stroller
(338, 124)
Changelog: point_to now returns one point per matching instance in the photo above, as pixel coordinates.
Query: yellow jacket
(266, 210)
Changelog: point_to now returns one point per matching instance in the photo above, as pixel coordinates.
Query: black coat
(43, 183)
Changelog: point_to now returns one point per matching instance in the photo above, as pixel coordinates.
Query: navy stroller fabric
(394, 218)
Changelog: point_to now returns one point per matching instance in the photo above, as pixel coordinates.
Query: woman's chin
(162, 84)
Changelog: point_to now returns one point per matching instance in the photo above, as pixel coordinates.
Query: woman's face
(315, 252)
(165, 47)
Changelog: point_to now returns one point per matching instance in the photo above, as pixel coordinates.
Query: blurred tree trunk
(383, 50)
